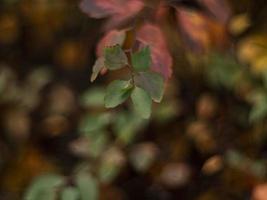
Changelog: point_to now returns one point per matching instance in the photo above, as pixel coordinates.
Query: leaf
(87, 186)
(218, 8)
(94, 122)
(151, 82)
(44, 187)
(141, 60)
(142, 102)
(115, 58)
(152, 36)
(200, 32)
(117, 92)
(127, 125)
(98, 66)
(143, 155)
(112, 161)
(223, 70)
(94, 97)
(70, 193)
(111, 38)
(98, 144)
(259, 108)
(119, 11)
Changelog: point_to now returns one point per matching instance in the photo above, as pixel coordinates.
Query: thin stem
(132, 73)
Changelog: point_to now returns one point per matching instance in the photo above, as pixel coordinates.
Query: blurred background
(207, 140)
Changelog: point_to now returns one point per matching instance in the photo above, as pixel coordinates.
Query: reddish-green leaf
(111, 38)
(115, 58)
(152, 36)
(151, 82)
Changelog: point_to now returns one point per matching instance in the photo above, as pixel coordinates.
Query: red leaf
(200, 32)
(151, 35)
(118, 10)
(110, 38)
(218, 8)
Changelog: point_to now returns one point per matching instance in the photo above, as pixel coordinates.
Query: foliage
(179, 104)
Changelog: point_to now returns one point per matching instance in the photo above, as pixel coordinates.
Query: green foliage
(87, 186)
(92, 123)
(70, 193)
(115, 58)
(108, 171)
(148, 85)
(44, 187)
(151, 82)
(93, 97)
(127, 125)
(117, 92)
(259, 107)
(142, 102)
(97, 144)
(223, 71)
(141, 60)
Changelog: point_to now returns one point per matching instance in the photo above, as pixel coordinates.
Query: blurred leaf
(87, 186)
(98, 66)
(115, 58)
(174, 175)
(141, 60)
(142, 102)
(260, 191)
(239, 24)
(111, 164)
(165, 111)
(93, 97)
(200, 32)
(119, 11)
(117, 92)
(218, 8)
(127, 125)
(95, 122)
(143, 155)
(259, 108)
(70, 193)
(223, 71)
(97, 144)
(44, 187)
(212, 165)
(151, 82)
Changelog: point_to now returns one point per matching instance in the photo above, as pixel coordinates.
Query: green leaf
(87, 186)
(108, 172)
(142, 102)
(98, 144)
(127, 125)
(115, 58)
(70, 193)
(110, 166)
(98, 66)
(151, 82)
(141, 60)
(259, 108)
(94, 122)
(44, 187)
(117, 92)
(223, 70)
(94, 97)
